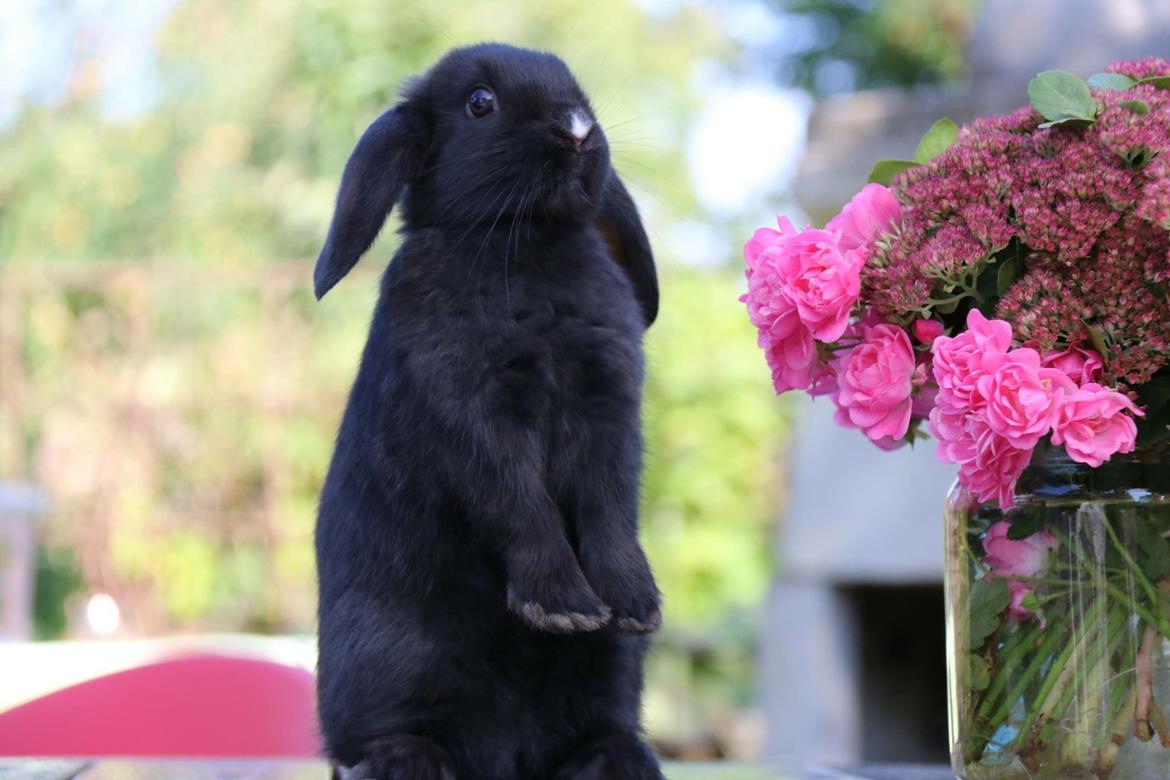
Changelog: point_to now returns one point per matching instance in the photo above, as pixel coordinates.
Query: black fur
(482, 591)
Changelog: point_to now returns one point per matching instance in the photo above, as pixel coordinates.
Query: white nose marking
(579, 125)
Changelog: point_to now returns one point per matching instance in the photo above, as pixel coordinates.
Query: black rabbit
(483, 596)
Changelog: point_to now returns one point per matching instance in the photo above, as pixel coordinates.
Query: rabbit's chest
(575, 355)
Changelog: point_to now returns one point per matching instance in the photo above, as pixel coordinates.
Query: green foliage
(713, 426)
(56, 579)
(262, 102)
(1025, 520)
(1062, 97)
(936, 140)
(1009, 271)
(989, 598)
(978, 672)
(881, 42)
(884, 171)
(1110, 81)
(1154, 397)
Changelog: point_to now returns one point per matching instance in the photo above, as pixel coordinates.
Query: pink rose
(870, 213)
(1080, 364)
(789, 349)
(823, 282)
(1026, 557)
(889, 443)
(948, 426)
(996, 465)
(763, 239)
(960, 360)
(1092, 424)
(989, 464)
(1015, 609)
(1021, 397)
(824, 381)
(926, 397)
(876, 384)
(926, 331)
(765, 297)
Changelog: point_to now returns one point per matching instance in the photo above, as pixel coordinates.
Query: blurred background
(169, 388)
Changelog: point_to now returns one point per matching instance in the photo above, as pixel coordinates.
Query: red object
(203, 705)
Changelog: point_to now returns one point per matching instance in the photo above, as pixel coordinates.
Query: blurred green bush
(167, 376)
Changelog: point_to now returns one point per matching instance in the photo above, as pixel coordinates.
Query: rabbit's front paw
(620, 757)
(560, 602)
(626, 584)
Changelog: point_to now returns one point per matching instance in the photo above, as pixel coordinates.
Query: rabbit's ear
(622, 229)
(389, 153)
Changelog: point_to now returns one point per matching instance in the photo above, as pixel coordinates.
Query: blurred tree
(261, 102)
(834, 46)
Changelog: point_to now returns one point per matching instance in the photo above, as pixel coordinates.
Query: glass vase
(1058, 624)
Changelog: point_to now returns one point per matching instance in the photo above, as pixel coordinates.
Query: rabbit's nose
(576, 130)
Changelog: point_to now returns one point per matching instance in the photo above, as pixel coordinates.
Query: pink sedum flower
(1021, 397)
(1010, 558)
(1093, 425)
(876, 382)
(959, 361)
(870, 213)
(1079, 364)
(821, 280)
(926, 331)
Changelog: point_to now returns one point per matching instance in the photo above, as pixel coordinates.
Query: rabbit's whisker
(528, 193)
(473, 223)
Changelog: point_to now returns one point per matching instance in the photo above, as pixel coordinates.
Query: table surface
(118, 769)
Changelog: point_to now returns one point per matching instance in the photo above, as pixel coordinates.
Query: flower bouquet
(1008, 291)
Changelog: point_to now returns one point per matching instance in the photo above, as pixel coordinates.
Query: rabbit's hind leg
(401, 757)
(618, 757)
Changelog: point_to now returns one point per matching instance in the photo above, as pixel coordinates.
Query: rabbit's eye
(481, 102)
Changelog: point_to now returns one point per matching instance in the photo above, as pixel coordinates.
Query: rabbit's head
(490, 133)
(510, 130)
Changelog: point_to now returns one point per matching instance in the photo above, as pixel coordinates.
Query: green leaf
(1154, 398)
(978, 672)
(1139, 107)
(1060, 96)
(1161, 82)
(1025, 520)
(936, 140)
(1154, 428)
(884, 171)
(1097, 339)
(1071, 121)
(1007, 273)
(989, 598)
(1032, 604)
(1137, 157)
(1111, 81)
